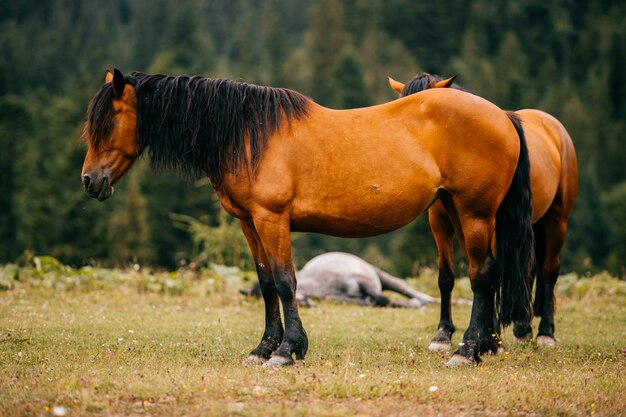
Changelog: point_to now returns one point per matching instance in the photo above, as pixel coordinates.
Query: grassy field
(107, 343)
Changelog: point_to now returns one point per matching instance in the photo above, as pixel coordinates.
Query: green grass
(120, 349)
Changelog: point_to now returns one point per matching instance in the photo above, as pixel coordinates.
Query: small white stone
(58, 410)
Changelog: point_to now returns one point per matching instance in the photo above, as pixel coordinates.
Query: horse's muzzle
(97, 186)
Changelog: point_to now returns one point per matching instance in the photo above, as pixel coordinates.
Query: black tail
(540, 257)
(515, 242)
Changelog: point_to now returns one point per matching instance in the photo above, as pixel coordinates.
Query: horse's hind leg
(556, 229)
(273, 333)
(480, 336)
(274, 233)
(443, 232)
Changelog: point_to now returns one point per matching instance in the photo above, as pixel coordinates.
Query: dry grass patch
(119, 351)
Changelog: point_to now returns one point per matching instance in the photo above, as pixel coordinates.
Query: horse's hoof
(278, 361)
(547, 341)
(524, 339)
(254, 360)
(459, 360)
(436, 346)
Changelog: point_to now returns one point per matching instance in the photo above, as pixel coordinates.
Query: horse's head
(110, 133)
(420, 82)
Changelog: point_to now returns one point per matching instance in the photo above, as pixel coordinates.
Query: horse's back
(424, 141)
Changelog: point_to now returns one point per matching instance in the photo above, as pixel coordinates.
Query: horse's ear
(445, 83)
(396, 85)
(108, 77)
(118, 82)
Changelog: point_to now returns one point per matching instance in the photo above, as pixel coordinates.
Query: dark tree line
(566, 57)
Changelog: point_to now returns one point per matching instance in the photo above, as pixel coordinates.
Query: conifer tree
(326, 39)
(351, 91)
(15, 124)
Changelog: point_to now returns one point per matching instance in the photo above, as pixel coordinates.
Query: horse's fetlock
(446, 326)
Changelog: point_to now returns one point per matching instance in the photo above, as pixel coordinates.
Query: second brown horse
(554, 182)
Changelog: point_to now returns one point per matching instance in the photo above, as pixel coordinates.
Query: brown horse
(554, 182)
(280, 162)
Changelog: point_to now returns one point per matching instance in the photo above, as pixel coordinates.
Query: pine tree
(511, 67)
(187, 50)
(589, 233)
(326, 39)
(15, 124)
(474, 69)
(351, 91)
(614, 200)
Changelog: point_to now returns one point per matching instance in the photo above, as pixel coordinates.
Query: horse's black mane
(422, 82)
(195, 125)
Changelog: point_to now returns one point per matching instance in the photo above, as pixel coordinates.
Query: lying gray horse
(344, 277)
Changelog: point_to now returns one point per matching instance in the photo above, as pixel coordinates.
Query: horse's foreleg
(443, 232)
(480, 336)
(274, 233)
(273, 333)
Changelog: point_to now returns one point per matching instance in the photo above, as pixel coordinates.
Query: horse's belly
(348, 175)
(358, 216)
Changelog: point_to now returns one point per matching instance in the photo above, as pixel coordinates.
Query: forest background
(567, 57)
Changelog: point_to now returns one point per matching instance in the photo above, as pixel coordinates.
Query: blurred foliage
(221, 244)
(601, 285)
(565, 57)
(48, 272)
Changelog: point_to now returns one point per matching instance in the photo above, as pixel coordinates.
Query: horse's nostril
(86, 181)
